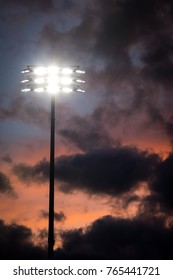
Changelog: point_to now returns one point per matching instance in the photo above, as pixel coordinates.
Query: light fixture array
(52, 79)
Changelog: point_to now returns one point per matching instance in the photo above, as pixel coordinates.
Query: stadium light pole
(53, 80)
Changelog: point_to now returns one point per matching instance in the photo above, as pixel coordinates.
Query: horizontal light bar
(24, 81)
(42, 70)
(80, 90)
(26, 89)
(80, 71)
(80, 81)
(25, 71)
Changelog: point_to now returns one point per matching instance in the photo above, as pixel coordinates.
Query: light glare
(26, 89)
(67, 71)
(66, 81)
(53, 70)
(80, 81)
(80, 90)
(67, 90)
(24, 81)
(40, 71)
(25, 71)
(53, 89)
(39, 80)
(39, 89)
(52, 80)
(80, 71)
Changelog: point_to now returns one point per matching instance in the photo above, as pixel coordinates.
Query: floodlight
(24, 81)
(66, 81)
(67, 89)
(41, 89)
(66, 71)
(40, 71)
(80, 90)
(52, 80)
(80, 81)
(80, 71)
(26, 89)
(39, 80)
(25, 71)
(53, 70)
(53, 88)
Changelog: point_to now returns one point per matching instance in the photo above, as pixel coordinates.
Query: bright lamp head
(53, 79)
(41, 89)
(26, 90)
(66, 81)
(53, 89)
(40, 71)
(53, 70)
(67, 90)
(66, 71)
(39, 80)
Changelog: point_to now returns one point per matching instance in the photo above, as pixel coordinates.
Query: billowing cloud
(112, 238)
(162, 180)
(16, 243)
(106, 238)
(105, 172)
(109, 171)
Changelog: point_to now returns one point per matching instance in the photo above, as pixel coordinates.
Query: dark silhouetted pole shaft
(51, 189)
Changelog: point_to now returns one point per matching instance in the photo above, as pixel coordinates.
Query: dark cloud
(38, 173)
(123, 46)
(111, 238)
(126, 22)
(5, 186)
(158, 61)
(160, 119)
(16, 243)
(107, 172)
(42, 238)
(111, 171)
(105, 238)
(162, 181)
(59, 217)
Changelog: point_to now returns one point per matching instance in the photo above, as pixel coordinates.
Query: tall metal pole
(51, 182)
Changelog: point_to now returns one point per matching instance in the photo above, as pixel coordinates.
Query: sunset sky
(114, 160)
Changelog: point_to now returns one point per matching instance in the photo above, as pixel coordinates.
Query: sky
(114, 143)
